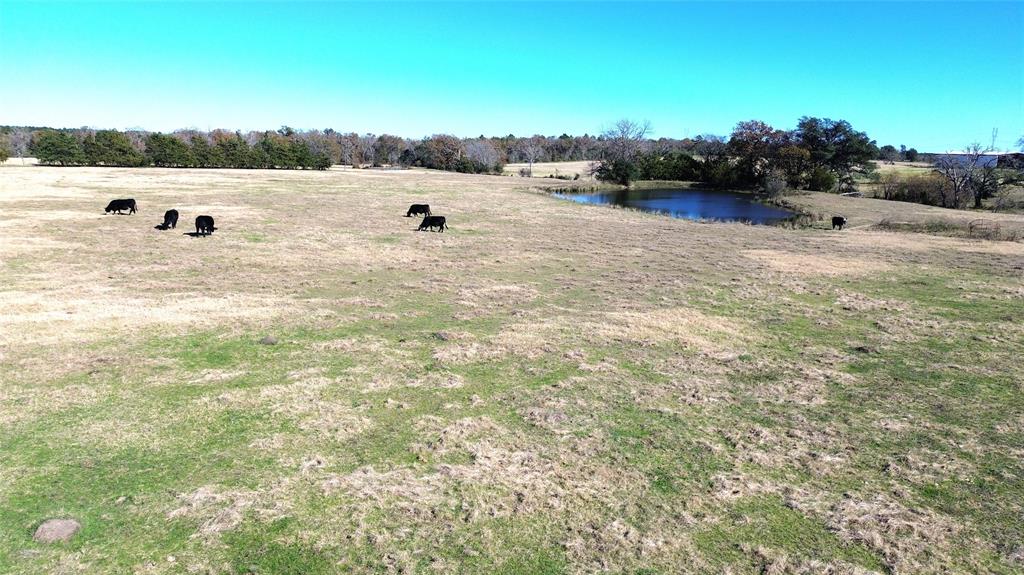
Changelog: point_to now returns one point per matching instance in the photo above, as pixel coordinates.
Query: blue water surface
(689, 203)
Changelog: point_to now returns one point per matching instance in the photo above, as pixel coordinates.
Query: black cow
(170, 220)
(838, 222)
(431, 222)
(117, 206)
(417, 210)
(204, 225)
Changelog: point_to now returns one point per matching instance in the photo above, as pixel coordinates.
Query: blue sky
(929, 75)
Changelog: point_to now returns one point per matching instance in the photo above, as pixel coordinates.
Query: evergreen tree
(168, 152)
(111, 148)
(57, 148)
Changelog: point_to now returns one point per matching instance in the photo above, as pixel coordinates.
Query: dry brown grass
(545, 169)
(866, 212)
(613, 389)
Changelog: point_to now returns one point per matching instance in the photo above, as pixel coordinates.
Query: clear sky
(933, 76)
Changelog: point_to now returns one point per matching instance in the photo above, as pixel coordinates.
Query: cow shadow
(195, 235)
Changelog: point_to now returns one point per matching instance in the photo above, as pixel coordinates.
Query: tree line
(819, 154)
(731, 161)
(183, 149)
(288, 148)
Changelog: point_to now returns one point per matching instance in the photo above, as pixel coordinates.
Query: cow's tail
(445, 224)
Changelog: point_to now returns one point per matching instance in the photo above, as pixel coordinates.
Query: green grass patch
(766, 521)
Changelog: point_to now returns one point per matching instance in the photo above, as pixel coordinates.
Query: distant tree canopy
(283, 149)
(111, 148)
(888, 153)
(835, 145)
(818, 153)
(168, 152)
(58, 148)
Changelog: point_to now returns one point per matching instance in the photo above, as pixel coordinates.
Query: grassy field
(545, 169)
(870, 212)
(904, 168)
(546, 387)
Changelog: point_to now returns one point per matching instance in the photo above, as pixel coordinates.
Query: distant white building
(985, 159)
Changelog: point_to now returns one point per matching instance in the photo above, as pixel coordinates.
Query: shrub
(1009, 199)
(617, 171)
(930, 189)
(775, 183)
(672, 166)
(722, 175)
(821, 180)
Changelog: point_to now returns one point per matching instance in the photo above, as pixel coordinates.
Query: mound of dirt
(56, 531)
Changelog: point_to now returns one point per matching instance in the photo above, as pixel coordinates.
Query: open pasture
(546, 387)
(545, 169)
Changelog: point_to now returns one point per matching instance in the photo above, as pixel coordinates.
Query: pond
(688, 203)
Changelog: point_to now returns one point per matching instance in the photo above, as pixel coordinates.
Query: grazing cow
(418, 210)
(117, 206)
(170, 220)
(204, 225)
(838, 222)
(431, 222)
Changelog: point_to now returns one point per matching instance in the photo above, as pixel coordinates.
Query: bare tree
(137, 136)
(482, 153)
(366, 144)
(711, 148)
(321, 144)
(967, 174)
(625, 140)
(19, 142)
(348, 147)
(252, 137)
(531, 150)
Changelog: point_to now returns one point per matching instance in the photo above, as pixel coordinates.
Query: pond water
(689, 203)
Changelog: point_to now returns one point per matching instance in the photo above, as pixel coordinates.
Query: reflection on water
(689, 203)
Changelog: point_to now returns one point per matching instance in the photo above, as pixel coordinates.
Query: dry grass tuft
(679, 325)
(216, 511)
(802, 264)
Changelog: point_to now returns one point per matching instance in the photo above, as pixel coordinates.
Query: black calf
(431, 222)
(418, 210)
(204, 225)
(117, 206)
(170, 220)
